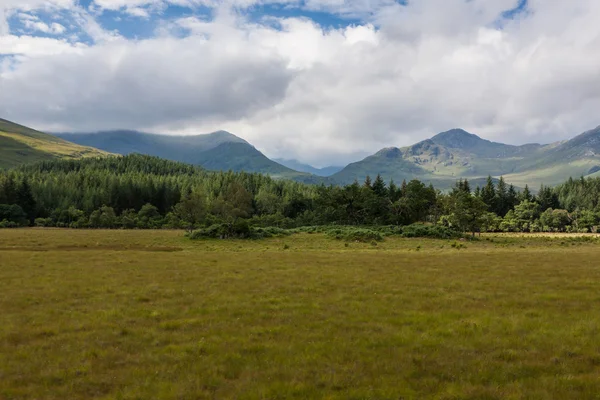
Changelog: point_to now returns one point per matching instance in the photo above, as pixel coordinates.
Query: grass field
(153, 315)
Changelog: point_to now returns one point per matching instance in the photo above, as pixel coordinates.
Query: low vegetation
(140, 314)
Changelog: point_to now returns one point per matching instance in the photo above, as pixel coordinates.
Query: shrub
(238, 230)
(8, 224)
(12, 214)
(429, 231)
(356, 235)
(43, 222)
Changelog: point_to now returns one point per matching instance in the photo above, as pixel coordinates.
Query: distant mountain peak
(457, 139)
(390, 152)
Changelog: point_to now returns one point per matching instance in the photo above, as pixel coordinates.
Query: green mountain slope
(456, 154)
(21, 145)
(219, 151)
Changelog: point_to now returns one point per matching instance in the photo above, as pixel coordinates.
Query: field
(153, 315)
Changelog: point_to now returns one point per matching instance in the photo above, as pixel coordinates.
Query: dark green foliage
(356, 235)
(143, 192)
(13, 215)
(237, 230)
(429, 231)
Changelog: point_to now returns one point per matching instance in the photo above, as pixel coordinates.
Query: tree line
(147, 192)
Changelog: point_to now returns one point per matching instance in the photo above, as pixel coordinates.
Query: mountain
(454, 154)
(20, 145)
(215, 151)
(298, 166)
(440, 160)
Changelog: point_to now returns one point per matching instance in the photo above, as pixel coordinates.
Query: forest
(144, 192)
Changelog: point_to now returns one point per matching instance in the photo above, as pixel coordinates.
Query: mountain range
(456, 154)
(440, 160)
(215, 151)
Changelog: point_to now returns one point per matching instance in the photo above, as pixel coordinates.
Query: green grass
(153, 315)
(21, 145)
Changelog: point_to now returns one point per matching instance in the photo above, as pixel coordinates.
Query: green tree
(467, 212)
(526, 195)
(501, 201)
(25, 199)
(191, 210)
(526, 213)
(555, 220)
(149, 217)
(108, 218)
(379, 187)
(547, 198)
(488, 194)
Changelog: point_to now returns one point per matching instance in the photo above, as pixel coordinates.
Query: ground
(152, 315)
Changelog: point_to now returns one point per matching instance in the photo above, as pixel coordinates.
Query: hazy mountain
(456, 154)
(298, 166)
(215, 151)
(20, 145)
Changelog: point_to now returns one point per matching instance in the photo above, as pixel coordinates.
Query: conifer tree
(501, 200)
(24, 198)
(379, 186)
(488, 194)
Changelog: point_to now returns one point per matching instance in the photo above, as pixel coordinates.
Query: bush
(238, 230)
(44, 222)
(8, 224)
(356, 235)
(12, 214)
(429, 231)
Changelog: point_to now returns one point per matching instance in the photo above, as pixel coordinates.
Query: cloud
(296, 89)
(35, 47)
(33, 23)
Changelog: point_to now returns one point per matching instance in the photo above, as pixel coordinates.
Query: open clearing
(153, 315)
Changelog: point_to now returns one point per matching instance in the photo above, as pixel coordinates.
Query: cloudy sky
(323, 81)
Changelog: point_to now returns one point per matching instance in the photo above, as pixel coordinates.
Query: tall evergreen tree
(501, 202)
(512, 197)
(547, 198)
(526, 194)
(488, 194)
(25, 199)
(379, 187)
(393, 191)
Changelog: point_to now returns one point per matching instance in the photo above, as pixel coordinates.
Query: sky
(322, 81)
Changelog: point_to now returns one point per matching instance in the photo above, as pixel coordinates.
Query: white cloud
(33, 23)
(31, 46)
(318, 94)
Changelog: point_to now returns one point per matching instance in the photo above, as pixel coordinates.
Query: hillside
(21, 145)
(456, 154)
(219, 151)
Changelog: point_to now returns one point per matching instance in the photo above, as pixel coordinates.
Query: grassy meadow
(91, 314)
